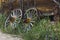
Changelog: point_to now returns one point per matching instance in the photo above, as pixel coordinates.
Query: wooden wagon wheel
(14, 18)
(31, 15)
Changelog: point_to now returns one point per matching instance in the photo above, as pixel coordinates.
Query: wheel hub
(28, 20)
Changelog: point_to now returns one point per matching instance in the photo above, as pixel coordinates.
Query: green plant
(42, 30)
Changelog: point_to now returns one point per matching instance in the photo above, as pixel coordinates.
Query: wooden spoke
(31, 18)
(14, 18)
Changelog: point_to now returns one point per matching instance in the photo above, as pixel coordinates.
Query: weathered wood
(47, 4)
(56, 13)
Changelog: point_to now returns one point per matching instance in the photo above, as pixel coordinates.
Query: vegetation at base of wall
(42, 30)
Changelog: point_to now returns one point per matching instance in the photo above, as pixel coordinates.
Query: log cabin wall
(1, 1)
(43, 5)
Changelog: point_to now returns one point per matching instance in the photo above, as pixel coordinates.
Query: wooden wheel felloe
(14, 18)
(31, 14)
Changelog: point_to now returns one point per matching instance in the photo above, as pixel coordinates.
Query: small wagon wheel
(31, 14)
(14, 18)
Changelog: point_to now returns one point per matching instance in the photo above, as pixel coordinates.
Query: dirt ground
(8, 37)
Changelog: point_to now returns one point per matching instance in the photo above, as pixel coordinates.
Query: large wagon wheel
(31, 15)
(14, 18)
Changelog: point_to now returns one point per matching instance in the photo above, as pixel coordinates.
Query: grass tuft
(41, 30)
